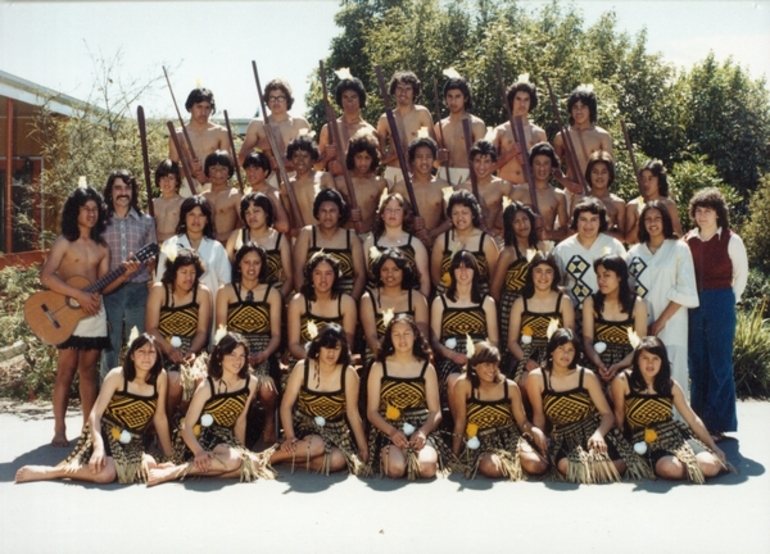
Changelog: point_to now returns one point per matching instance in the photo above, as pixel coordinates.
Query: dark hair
(198, 95)
(330, 335)
(421, 142)
(188, 205)
(69, 216)
(587, 98)
(225, 346)
(560, 337)
(283, 86)
(714, 199)
(591, 205)
(331, 195)
(127, 178)
(600, 157)
(668, 225)
(354, 84)
(543, 149)
(129, 369)
(411, 276)
(219, 157)
(626, 296)
(509, 215)
(420, 349)
(307, 289)
(482, 148)
(527, 87)
(406, 78)
(465, 198)
(483, 353)
(379, 223)
(168, 167)
(458, 83)
(466, 258)
(259, 200)
(662, 382)
(305, 143)
(184, 257)
(657, 168)
(363, 142)
(258, 159)
(540, 258)
(241, 253)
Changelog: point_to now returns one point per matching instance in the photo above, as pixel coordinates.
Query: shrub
(756, 231)
(751, 355)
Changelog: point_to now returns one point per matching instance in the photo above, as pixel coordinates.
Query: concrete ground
(311, 513)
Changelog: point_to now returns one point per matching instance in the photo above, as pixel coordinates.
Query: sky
(54, 44)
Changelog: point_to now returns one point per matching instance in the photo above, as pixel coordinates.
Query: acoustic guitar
(53, 316)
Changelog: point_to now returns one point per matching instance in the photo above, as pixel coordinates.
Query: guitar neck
(101, 283)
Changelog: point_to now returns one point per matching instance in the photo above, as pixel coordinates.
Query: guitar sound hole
(72, 303)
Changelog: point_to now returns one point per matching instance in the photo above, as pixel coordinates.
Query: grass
(751, 354)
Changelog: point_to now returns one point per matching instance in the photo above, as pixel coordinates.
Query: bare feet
(35, 473)
(60, 439)
(158, 475)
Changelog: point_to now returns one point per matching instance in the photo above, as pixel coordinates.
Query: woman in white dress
(662, 272)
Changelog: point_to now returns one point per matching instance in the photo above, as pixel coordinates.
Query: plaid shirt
(127, 235)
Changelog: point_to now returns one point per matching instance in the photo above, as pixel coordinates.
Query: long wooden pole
(468, 137)
(145, 158)
(569, 146)
(396, 139)
(232, 149)
(181, 119)
(630, 148)
(185, 167)
(441, 130)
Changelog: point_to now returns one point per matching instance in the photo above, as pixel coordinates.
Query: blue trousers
(710, 359)
(126, 309)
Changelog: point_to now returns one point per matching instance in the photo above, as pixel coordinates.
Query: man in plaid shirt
(128, 230)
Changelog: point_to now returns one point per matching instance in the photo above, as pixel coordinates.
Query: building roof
(33, 94)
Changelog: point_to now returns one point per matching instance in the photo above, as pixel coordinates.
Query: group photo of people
(402, 298)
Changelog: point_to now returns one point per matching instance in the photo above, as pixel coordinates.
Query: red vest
(713, 266)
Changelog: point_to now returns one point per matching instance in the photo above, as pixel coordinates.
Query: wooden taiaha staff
(440, 128)
(334, 138)
(145, 158)
(517, 130)
(232, 149)
(630, 148)
(569, 146)
(277, 154)
(185, 166)
(181, 122)
(396, 139)
(468, 137)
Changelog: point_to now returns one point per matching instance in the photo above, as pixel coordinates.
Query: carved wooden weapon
(145, 158)
(232, 149)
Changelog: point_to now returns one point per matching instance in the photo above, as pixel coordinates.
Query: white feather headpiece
(451, 73)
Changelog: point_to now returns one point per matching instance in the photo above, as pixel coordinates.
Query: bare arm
(294, 314)
(359, 266)
(299, 259)
(160, 419)
(619, 389)
(460, 395)
(535, 395)
(352, 384)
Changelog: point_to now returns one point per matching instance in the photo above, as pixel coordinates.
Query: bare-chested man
(303, 153)
(449, 131)
(225, 199)
(410, 118)
(167, 205)
(350, 96)
(522, 98)
(80, 251)
(654, 187)
(257, 169)
(585, 134)
(286, 127)
(551, 201)
(428, 191)
(206, 137)
(363, 160)
(600, 174)
(492, 189)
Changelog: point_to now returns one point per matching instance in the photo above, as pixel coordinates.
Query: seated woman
(462, 313)
(211, 437)
(490, 410)
(393, 229)
(251, 307)
(644, 398)
(179, 312)
(257, 215)
(610, 315)
(324, 388)
(403, 405)
(111, 446)
(540, 304)
(585, 447)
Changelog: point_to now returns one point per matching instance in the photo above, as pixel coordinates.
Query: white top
(216, 265)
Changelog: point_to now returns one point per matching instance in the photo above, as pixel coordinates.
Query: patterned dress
(125, 412)
(275, 276)
(251, 318)
(615, 335)
(182, 322)
(407, 250)
(446, 262)
(456, 323)
(515, 277)
(343, 255)
(538, 323)
(380, 321)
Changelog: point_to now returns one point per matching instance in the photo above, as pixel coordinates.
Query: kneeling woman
(403, 405)
(110, 446)
(490, 414)
(584, 444)
(643, 397)
(324, 388)
(211, 438)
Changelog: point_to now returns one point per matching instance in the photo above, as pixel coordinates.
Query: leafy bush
(757, 293)
(751, 355)
(756, 230)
